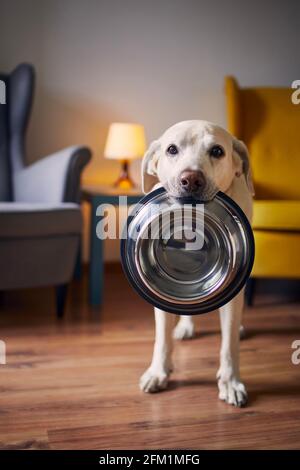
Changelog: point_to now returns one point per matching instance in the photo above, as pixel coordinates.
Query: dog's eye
(216, 151)
(172, 150)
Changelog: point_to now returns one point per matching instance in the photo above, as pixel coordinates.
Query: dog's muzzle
(192, 182)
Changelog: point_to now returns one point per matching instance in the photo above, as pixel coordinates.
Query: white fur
(230, 174)
(185, 328)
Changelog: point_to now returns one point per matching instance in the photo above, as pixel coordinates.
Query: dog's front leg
(231, 389)
(155, 378)
(185, 328)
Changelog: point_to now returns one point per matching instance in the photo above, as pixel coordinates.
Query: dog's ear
(149, 167)
(242, 163)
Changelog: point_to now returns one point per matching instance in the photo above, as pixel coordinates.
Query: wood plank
(73, 384)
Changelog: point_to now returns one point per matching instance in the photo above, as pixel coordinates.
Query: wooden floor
(72, 384)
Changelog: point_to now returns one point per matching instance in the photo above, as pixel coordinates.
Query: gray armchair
(40, 217)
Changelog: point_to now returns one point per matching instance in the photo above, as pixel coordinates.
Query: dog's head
(195, 158)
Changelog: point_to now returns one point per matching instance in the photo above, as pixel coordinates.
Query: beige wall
(155, 62)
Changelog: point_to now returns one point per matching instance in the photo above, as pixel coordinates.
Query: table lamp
(125, 142)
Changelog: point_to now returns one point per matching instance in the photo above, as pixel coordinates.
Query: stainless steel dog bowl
(185, 256)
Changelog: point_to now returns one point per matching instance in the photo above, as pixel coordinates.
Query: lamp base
(124, 181)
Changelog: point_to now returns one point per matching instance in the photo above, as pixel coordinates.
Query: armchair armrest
(53, 179)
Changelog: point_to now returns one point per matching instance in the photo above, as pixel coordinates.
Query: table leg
(78, 263)
(96, 261)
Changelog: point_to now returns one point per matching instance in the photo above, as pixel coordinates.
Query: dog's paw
(154, 381)
(184, 330)
(233, 392)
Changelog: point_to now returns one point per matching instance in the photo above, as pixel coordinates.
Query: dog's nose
(192, 181)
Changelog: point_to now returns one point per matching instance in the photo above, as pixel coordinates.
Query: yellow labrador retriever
(199, 158)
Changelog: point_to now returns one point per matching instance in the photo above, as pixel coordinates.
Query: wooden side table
(96, 195)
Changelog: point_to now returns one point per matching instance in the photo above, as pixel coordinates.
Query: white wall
(156, 62)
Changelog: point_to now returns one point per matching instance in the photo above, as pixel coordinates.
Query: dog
(199, 158)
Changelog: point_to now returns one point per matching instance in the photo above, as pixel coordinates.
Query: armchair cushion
(25, 220)
(53, 179)
(276, 215)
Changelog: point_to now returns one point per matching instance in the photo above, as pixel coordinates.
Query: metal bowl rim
(226, 296)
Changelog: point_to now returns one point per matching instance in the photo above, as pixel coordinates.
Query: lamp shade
(125, 141)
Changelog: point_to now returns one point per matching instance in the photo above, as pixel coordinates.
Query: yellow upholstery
(276, 215)
(277, 254)
(267, 121)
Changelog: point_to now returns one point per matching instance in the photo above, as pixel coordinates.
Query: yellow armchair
(269, 124)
